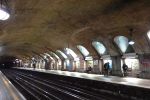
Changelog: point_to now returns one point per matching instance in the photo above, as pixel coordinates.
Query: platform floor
(137, 82)
(8, 91)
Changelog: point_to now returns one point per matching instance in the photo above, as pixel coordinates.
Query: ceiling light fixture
(131, 42)
(4, 13)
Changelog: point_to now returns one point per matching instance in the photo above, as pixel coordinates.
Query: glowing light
(3, 15)
(131, 42)
(33, 58)
(122, 43)
(17, 59)
(100, 48)
(148, 34)
(83, 50)
(89, 58)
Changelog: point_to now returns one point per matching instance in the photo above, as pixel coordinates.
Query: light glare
(131, 42)
(148, 34)
(3, 15)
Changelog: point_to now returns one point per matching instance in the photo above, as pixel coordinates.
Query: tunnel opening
(7, 62)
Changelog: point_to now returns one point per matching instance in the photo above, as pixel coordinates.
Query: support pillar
(116, 66)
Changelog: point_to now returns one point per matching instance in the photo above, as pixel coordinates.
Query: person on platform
(106, 69)
(125, 69)
(34, 65)
(89, 69)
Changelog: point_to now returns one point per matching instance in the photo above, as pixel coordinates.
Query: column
(116, 66)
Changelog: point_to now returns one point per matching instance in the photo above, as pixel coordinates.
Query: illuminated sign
(89, 58)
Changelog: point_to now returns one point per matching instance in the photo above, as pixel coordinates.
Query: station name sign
(130, 55)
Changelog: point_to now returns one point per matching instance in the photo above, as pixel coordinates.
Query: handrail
(8, 91)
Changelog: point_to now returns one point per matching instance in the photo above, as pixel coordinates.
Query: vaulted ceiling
(38, 26)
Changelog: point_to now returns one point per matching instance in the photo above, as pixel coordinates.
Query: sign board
(130, 55)
(89, 58)
(105, 57)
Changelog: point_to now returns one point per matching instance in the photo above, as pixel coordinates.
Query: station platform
(7, 90)
(128, 81)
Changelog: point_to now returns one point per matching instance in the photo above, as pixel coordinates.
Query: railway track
(34, 87)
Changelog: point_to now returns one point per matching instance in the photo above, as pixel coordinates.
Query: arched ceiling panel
(122, 43)
(100, 48)
(35, 25)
